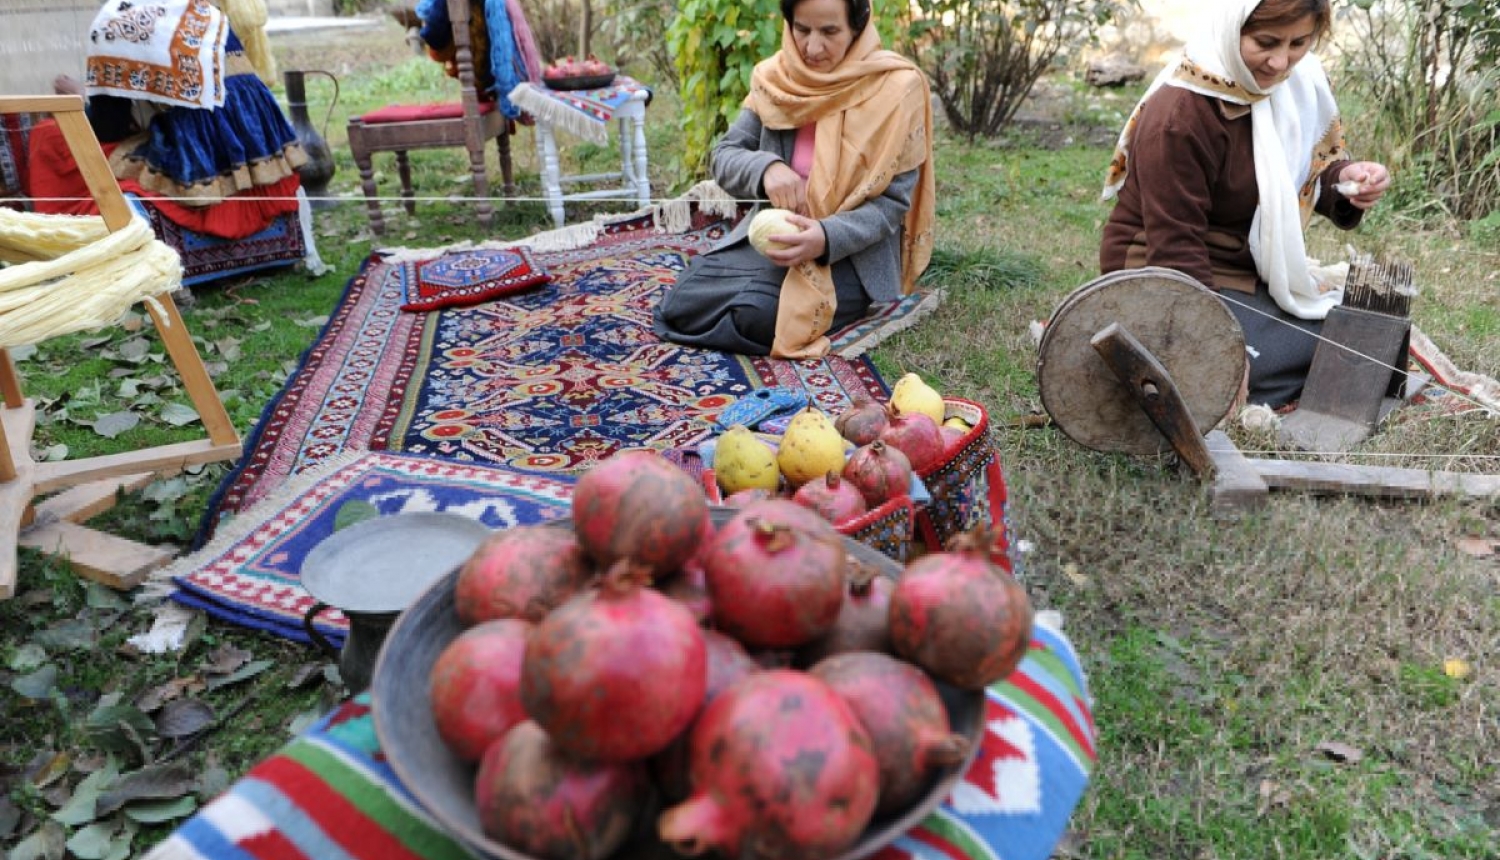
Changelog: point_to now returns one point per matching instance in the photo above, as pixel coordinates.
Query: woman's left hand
(803, 246)
(1373, 179)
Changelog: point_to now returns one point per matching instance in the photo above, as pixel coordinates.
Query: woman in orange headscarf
(839, 132)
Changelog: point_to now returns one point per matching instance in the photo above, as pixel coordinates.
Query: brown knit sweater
(1191, 194)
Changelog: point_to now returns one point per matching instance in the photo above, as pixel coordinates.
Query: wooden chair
(469, 123)
(86, 487)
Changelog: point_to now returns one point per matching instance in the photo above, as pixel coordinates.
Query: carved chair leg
(367, 182)
(507, 169)
(408, 196)
(481, 185)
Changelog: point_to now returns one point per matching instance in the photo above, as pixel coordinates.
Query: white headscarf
(1296, 131)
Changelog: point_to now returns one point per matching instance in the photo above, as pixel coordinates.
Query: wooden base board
(100, 556)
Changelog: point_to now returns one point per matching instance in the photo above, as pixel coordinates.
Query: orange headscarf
(874, 121)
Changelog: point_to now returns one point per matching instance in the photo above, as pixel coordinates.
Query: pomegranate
(476, 686)
(775, 575)
(535, 799)
(727, 663)
(521, 572)
(959, 616)
(864, 619)
(615, 674)
(863, 422)
(917, 436)
(689, 587)
(637, 505)
(901, 709)
(835, 499)
(781, 769)
(879, 472)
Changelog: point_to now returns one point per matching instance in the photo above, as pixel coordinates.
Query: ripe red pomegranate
(537, 800)
(781, 768)
(775, 575)
(522, 572)
(637, 505)
(864, 619)
(615, 674)
(476, 686)
(917, 436)
(863, 422)
(901, 709)
(879, 472)
(835, 499)
(960, 617)
(727, 663)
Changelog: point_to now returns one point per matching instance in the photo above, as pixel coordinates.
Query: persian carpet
(552, 379)
(330, 791)
(250, 574)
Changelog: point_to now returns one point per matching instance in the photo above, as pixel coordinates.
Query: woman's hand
(801, 247)
(1372, 179)
(784, 188)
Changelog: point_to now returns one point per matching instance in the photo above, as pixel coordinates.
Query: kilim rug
(552, 379)
(250, 574)
(330, 792)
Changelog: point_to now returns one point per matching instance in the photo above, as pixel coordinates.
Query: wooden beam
(43, 104)
(114, 561)
(1237, 487)
(175, 458)
(1381, 481)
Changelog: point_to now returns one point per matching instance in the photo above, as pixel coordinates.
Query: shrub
(1425, 72)
(984, 56)
(635, 30)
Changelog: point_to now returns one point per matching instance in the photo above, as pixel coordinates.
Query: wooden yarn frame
(87, 487)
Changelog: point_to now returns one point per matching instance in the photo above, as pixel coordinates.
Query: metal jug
(319, 169)
(372, 571)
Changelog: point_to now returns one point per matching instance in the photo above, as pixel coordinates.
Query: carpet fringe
(1481, 390)
(559, 115)
(160, 584)
(668, 217)
(866, 342)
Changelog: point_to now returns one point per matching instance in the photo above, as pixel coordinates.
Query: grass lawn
(1272, 686)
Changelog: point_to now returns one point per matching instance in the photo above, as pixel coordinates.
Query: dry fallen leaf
(1341, 752)
(1477, 547)
(1457, 668)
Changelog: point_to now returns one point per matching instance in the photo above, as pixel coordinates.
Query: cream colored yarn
(71, 274)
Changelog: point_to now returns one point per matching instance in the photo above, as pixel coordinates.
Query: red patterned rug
(551, 379)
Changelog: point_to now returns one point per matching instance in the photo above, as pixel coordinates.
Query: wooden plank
(114, 561)
(1151, 386)
(1237, 487)
(189, 364)
(1381, 481)
(86, 501)
(10, 381)
(60, 475)
(94, 169)
(55, 105)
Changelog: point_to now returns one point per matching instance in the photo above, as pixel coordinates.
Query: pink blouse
(802, 149)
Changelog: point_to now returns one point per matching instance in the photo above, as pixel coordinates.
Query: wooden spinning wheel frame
(86, 487)
(1149, 361)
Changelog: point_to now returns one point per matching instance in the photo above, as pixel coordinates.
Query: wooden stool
(90, 485)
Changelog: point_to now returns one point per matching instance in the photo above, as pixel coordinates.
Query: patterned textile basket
(967, 487)
(888, 529)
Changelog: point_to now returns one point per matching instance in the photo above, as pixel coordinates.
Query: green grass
(1221, 653)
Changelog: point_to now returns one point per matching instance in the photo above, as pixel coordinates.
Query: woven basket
(967, 487)
(888, 529)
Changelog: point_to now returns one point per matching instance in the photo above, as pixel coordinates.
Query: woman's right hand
(784, 188)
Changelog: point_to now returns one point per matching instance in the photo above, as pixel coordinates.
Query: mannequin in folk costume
(838, 131)
(1222, 164)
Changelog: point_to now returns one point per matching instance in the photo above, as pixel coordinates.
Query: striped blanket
(330, 794)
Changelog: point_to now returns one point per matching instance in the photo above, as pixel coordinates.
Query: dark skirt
(1281, 346)
(727, 300)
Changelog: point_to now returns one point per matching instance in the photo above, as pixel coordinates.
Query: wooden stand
(1349, 384)
(90, 486)
(1150, 393)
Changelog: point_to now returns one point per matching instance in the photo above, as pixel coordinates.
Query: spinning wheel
(88, 486)
(1140, 361)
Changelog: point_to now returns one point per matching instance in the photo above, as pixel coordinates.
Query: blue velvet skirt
(200, 156)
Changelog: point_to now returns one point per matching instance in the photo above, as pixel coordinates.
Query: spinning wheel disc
(1181, 322)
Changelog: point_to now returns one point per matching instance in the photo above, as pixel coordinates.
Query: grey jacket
(869, 235)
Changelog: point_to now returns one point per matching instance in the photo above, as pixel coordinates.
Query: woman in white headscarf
(1222, 164)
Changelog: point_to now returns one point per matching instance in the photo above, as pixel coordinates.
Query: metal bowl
(444, 784)
(579, 82)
